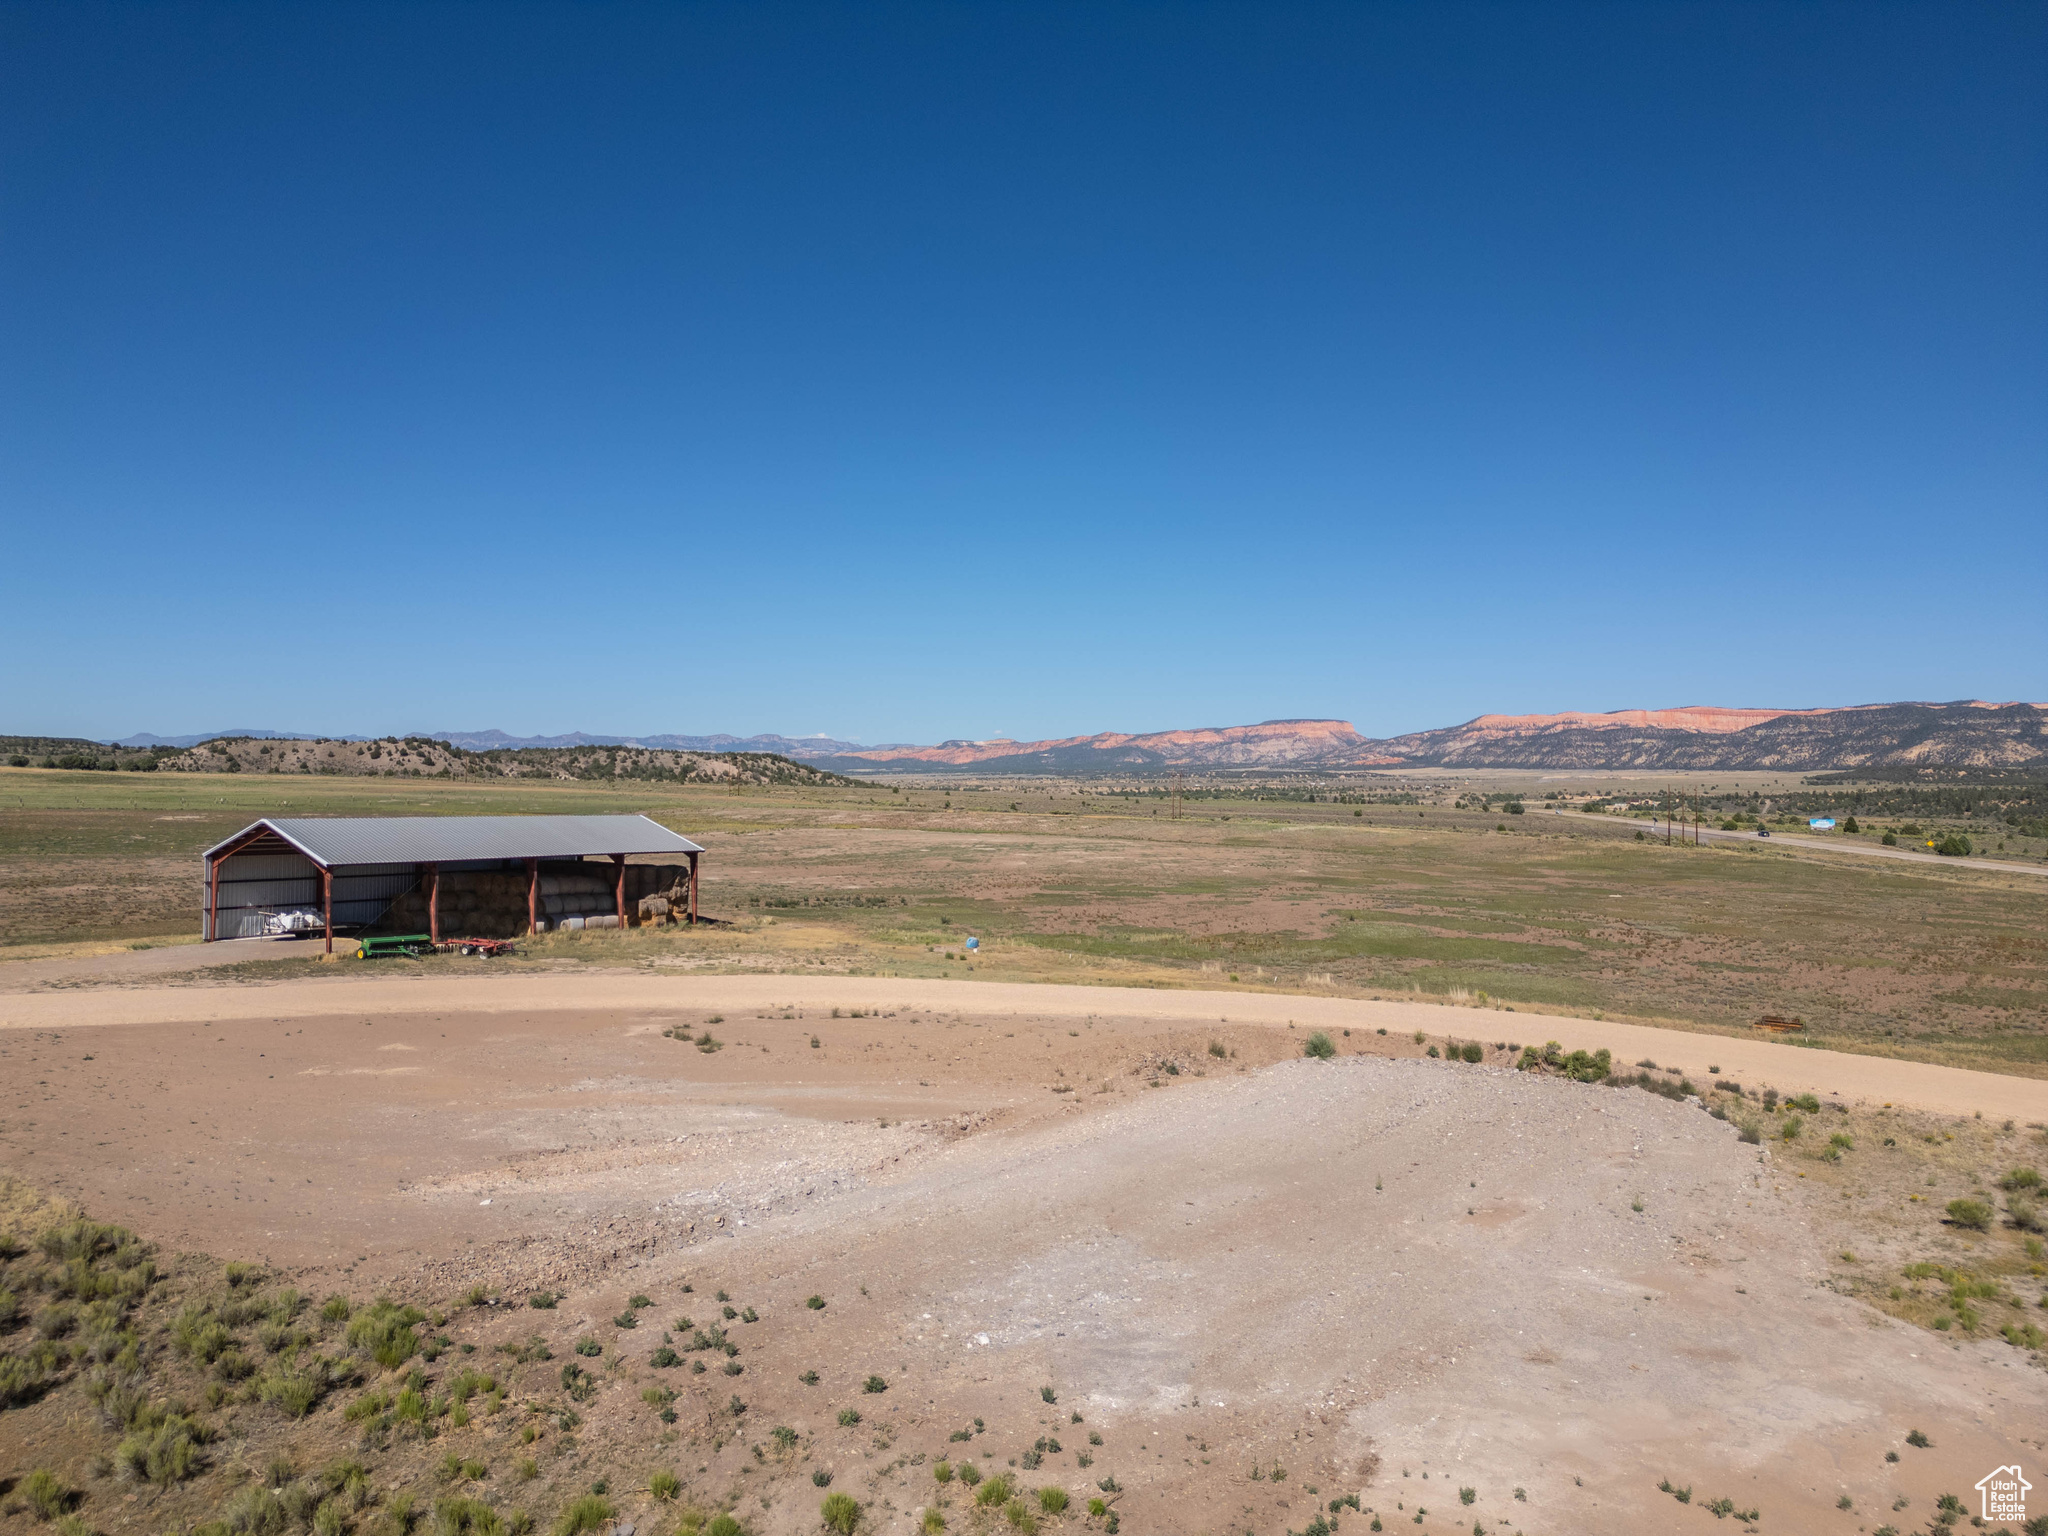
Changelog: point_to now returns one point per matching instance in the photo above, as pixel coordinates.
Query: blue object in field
(1821, 823)
(973, 943)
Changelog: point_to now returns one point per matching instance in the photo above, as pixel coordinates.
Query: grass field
(1072, 882)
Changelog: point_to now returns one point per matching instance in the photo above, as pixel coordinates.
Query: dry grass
(1567, 914)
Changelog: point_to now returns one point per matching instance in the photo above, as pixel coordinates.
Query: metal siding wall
(253, 883)
(362, 892)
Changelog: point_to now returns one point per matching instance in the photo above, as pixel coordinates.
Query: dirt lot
(1382, 1275)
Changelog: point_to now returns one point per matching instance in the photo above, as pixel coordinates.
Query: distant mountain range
(803, 748)
(1270, 744)
(1968, 734)
(144, 740)
(1962, 735)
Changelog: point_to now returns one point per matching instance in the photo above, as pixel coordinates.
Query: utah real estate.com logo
(2005, 1494)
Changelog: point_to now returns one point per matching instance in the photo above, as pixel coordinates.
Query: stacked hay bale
(491, 904)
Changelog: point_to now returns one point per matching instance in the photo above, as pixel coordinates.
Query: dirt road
(1759, 1062)
(1808, 841)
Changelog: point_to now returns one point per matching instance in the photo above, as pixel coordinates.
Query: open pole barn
(316, 874)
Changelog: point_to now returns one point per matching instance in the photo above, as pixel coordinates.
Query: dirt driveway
(1762, 1061)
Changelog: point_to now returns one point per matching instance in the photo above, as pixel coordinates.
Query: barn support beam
(327, 907)
(434, 902)
(532, 895)
(619, 862)
(212, 899)
(693, 890)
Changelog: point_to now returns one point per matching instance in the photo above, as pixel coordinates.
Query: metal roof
(332, 841)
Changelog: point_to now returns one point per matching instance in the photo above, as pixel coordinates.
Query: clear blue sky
(915, 371)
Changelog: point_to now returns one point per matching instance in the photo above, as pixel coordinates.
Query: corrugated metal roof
(333, 841)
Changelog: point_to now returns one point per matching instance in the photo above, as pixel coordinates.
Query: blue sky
(906, 372)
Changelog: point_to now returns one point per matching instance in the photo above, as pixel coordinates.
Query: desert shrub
(1053, 1500)
(993, 1492)
(47, 1497)
(335, 1309)
(295, 1386)
(2023, 1336)
(664, 1486)
(1750, 1135)
(385, 1331)
(1216, 1048)
(585, 1514)
(1581, 1068)
(578, 1383)
(1972, 1214)
(57, 1319)
(299, 1502)
(840, 1512)
(626, 1319)
(942, 1471)
(664, 1357)
(348, 1478)
(1791, 1128)
(821, 1478)
(1473, 1052)
(1918, 1440)
(468, 1382)
(874, 1384)
(2025, 1214)
(815, 1303)
(1954, 845)
(1806, 1102)
(588, 1347)
(541, 1301)
(164, 1450)
(256, 1511)
(970, 1474)
(457, 1516)
(1318, 1046)
(848, 1417)
(934, 1522)
(2020, 1179)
